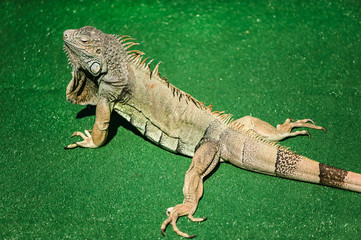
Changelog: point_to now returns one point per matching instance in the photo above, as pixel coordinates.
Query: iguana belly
(153, 132)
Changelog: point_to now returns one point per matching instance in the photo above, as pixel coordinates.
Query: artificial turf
(271, 59)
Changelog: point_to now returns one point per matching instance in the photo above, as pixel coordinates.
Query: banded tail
(259, 155)
(294, 166)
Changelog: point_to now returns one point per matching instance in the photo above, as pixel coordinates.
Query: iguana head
(97, 58)
(85, 48)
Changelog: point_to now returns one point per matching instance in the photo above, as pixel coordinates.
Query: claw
(172, 219)
(164, 225)
(311, 121)
(189, 236)
(71, 146)
(80, 134)
(193, 219)
(168, 211)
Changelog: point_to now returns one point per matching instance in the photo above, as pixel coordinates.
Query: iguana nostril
(67, 34)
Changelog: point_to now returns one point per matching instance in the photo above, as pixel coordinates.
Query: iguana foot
(178, 211)
(193, 219)
(290, 123)
(205, 159)
(284, 130)
(86, 143)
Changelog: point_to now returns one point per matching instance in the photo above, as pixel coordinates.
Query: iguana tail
(291, 165)
(261, 156)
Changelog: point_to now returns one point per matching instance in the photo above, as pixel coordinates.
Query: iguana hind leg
(204, 161)
(268, 132)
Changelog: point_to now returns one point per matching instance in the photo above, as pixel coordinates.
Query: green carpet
(271, 59)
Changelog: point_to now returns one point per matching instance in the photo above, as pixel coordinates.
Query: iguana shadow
(116, 121)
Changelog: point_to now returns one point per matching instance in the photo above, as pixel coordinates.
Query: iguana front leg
(204, 161)
(100, 129)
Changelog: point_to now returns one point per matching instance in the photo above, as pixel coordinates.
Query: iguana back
(163, 113)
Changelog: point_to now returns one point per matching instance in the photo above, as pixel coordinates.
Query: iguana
(112, 77)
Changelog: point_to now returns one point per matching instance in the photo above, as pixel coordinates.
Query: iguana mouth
(69, 54)
(73, 50)
(71, 47)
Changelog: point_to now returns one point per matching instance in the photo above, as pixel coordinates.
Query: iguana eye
(84, 40)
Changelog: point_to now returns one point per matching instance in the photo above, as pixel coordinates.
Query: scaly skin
(108, 75)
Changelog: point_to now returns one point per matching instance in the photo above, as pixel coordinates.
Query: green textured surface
(271, 59)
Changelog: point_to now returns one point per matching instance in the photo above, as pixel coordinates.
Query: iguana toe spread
(86, 143)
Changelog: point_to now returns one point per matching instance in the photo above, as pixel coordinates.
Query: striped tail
(294, 166)
(255, 154)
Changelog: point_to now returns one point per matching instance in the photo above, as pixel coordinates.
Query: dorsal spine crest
(136, 56)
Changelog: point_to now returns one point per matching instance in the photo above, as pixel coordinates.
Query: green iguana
(112, 77)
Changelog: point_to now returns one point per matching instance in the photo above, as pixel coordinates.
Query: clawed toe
(291, 123)
(86, 143)
(285, 130)
(173, 220)
(173, 214)
(193, 219)
(310, 120)
(71, 146)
